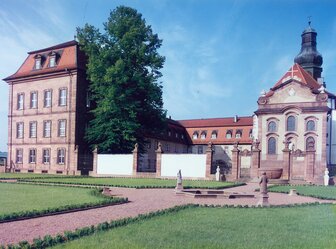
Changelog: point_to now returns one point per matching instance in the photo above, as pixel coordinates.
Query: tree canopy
(123, 69)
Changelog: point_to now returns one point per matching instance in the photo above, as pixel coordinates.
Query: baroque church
(290, 135)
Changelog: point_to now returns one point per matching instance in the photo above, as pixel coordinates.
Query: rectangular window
(32, 155)
(20, 100)
(47, 128)
(63, 97)
(32, 129)
(19, 130)
(52, 61)
(61, 156)
(61, 128)
(33, 100)
(38, 63)
(200, 149)
(47, 98)
(19, 155)
(46, 156)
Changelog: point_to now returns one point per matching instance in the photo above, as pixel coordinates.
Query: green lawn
(294, 227)
(323, 192)
(136, 182)
(23, 197)
(25, 175)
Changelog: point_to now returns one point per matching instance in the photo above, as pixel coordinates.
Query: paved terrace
(141, 201)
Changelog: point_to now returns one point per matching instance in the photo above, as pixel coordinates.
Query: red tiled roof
(216, 122)
(67, 60)
(297, 73)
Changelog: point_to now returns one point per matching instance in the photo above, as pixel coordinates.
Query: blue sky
(219, 54)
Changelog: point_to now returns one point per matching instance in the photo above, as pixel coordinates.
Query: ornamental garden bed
(22, 201)
(193, 226)
(321, 192)
(135, 182)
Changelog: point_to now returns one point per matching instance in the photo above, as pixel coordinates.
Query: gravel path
(141, 201)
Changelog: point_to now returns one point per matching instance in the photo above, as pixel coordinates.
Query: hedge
(64, 209)
(48, 241)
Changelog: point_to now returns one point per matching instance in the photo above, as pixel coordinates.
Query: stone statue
(218, 175)
(179, 186)
(263, 201)
(326, 177)
(263, 183)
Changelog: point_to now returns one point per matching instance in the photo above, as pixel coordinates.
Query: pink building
(48, 112)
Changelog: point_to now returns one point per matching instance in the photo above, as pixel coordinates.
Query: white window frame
(62, 128)
(20, 101)
(32, 156)
(47, 101)
(19, 130)
(33, 129)
(46, 156)
(46, 129)
(52, 61)
(61, 156)
(33, 100)
(19, 156)
(63, 92)
(38, 63)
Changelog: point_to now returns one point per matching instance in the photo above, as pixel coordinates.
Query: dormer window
(214, 135)
(203, 135)
(195, 135)
(52, 59)
(238, 134)
(38, 62)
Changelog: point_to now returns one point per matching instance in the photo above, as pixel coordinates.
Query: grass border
(49, 241)
(107, 201)
(301, 194)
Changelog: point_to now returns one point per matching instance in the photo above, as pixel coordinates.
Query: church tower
(309, 58)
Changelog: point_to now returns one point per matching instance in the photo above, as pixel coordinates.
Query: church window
(203, 135)
(195, 135)
(214, 135)
(272, 126)
(310, 143)
(271, 148)
(238, 134)
(291, 123)
(228, 134)
(310, 125)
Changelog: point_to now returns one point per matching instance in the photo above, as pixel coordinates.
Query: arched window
(238, 134)
(214, 135)
(271, 148)
(310, 143)
(203, 135)
(271, 126)
(228, 134)
(291, 123)
(195, 135)
(310, 125)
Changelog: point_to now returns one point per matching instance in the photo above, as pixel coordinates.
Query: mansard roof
(67, 58)
(216, 122)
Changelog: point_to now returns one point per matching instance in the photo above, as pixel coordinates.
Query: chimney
(235, 119)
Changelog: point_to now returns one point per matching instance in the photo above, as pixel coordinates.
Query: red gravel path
(141, 201)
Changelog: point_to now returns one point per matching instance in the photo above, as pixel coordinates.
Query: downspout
(11, 128)
(70, 109)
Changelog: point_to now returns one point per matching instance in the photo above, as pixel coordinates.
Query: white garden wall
(191, 165)
(114, 164)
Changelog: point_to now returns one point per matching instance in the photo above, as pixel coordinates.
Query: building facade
(48, 112)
